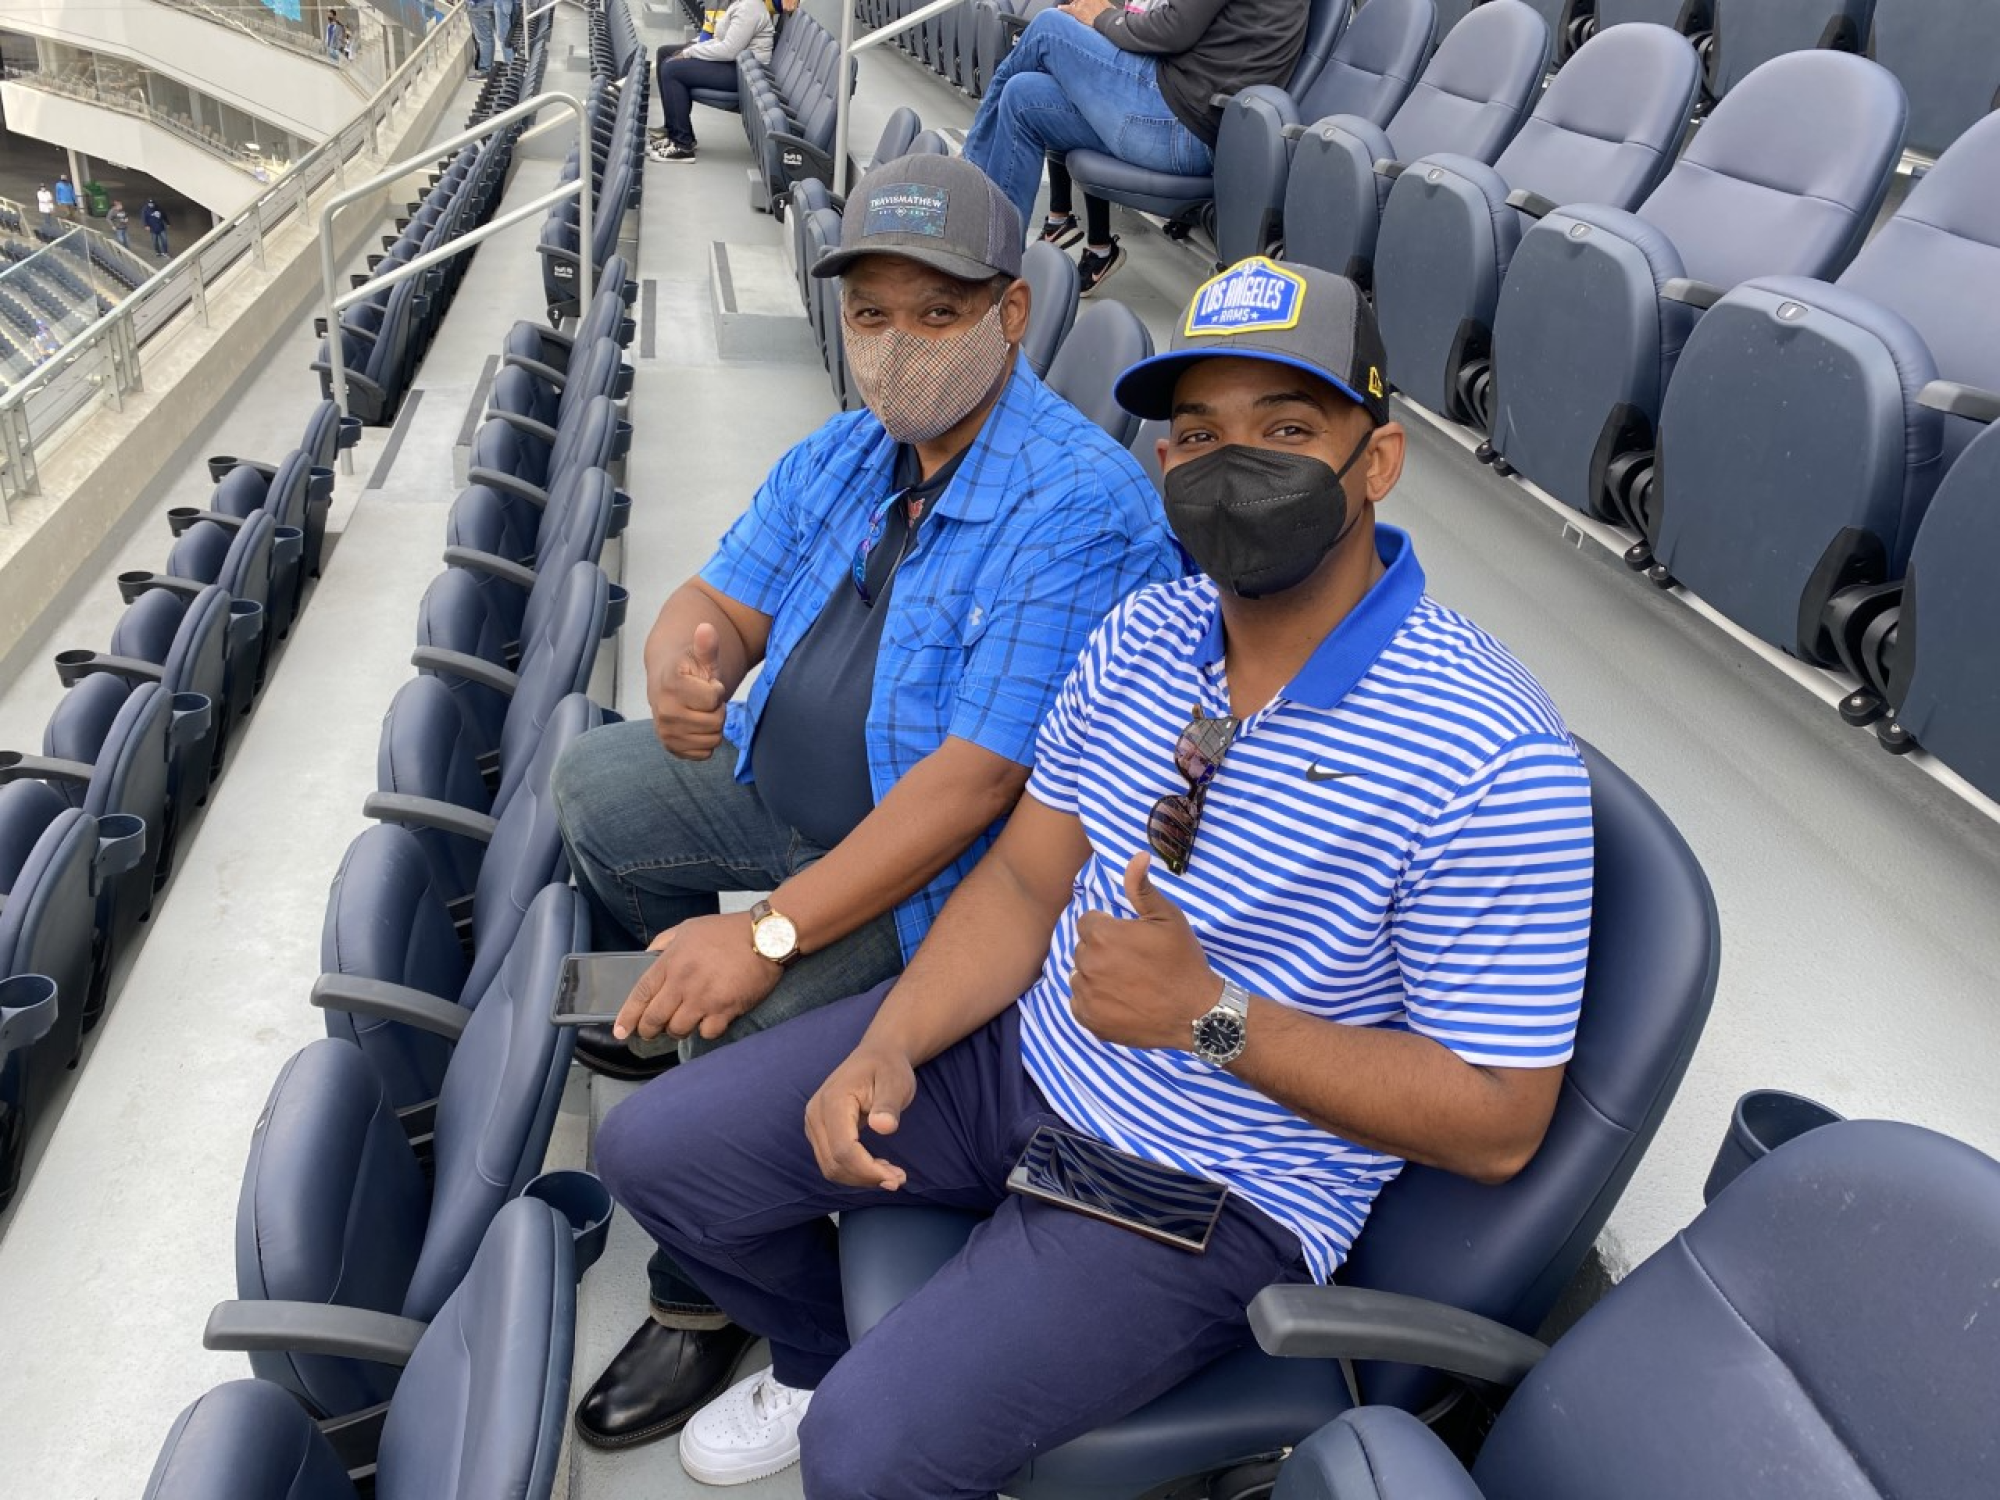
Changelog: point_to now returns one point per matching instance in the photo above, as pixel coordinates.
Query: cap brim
(1147, 389)
(960, 267)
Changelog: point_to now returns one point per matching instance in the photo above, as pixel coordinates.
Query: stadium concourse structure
(1860, 960)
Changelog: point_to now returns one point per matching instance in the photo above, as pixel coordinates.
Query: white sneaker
(750, 1431)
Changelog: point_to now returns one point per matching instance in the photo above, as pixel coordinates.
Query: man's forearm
(692, 604)
(931, 816)
(1397, 1091)
(1165, 29)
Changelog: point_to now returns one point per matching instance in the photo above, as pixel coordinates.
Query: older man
(915, 580)
(1300, 890)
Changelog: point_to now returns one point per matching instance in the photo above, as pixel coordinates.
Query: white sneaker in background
(750, 1431)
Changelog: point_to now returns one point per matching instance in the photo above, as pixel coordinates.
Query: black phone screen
(595, 986)
(1081, 1173)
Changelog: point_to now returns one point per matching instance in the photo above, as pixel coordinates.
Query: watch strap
(759, 913)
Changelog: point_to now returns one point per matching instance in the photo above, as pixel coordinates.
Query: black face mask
(1259, 520)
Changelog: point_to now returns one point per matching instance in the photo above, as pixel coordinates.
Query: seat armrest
(1957, 400)
(536, 368)
(72, 667)
(464, 664)
(799, 158)
(313, 1328)
(528, 425)
(391, 1002)
(1346, 1322)
(1531, 203)
(15, 766)
(1296, 132)
(1701, 295)
(508, 484)
(429, 812)
(492, 564)
(1384, 167)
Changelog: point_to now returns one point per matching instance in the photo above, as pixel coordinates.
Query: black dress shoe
(601, 1052)
(657, 1381)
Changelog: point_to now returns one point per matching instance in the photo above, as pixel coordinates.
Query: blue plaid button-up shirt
(1047, 524)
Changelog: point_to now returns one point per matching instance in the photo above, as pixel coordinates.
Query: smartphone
(1081, 1173)
(595, 986)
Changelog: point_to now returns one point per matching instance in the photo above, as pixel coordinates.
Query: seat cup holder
(220, 465)
(1763, 1120)
(180, 517)
(132, 585)
(74, 665)
(583, 1200)
(27, 1010)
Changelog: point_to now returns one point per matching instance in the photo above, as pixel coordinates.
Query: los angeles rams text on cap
(1253, 295)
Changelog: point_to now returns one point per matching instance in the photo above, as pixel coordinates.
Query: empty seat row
(788, 107)
(89, 826)
(615, 110)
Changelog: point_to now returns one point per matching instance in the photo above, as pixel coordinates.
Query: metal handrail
(844, 85)
(579, 188)
(104, 357)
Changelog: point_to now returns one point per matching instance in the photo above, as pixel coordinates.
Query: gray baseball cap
(941, 211)
(1309, 319)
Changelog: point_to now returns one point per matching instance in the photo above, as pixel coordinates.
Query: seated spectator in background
(745, 26)
(1090, 75)
(1334, 920)
(916, 579)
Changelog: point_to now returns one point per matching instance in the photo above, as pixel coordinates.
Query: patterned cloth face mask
(920, 387)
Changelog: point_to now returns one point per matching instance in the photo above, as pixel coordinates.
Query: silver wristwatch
(1220, 1033)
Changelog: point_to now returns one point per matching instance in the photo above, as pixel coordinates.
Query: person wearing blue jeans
(1139, 86)
(503, 28)
(914, 579)
(481, 13)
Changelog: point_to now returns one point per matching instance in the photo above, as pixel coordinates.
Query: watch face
(1219, 1033)
(775, 936)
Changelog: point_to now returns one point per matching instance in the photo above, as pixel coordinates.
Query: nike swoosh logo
(1314, 773)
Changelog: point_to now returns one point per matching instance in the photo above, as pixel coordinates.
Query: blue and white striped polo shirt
(1439, 883)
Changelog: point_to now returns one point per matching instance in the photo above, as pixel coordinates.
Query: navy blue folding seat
(295, 496)
(27, 1011)
(246, 560)
(1053, 291)
(185, 643)
(1783, 178)
(399, 914)
(335, 1208)
(1749, 33)
(53, 860)
(546, 352)
(1504, 1252)
(581, 514)
(1146, 448)
(1605, 131)
(478, 1412)
(1828, 377)
(1106, 341)
(532, 404)
(376, 354)
(1369, 76)
(1693, 19)
(506, 686)
(1469, 101)
(1947, 55)
(523, 468)
(1927, 651)
(106, 751)
(1828, 1326)
(1171, 195)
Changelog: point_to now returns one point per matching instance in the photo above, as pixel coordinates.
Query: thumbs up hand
(688, 698)
(1141, 981)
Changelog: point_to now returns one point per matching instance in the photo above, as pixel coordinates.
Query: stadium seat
(511, 569)
(1749, 33)
(27, 1011)
(1828, 1326)
(53, 860)
(337, 1209)
(184, 643)
(532, 403)
(1693, 19)
(1783, 178)
(295, 496)
(523, 468)
(477, 1413)
(1469, 102)
(1106, 341)
(507, 688)
(1369, 76)
(1928, 653)
(1605, 131)
(1146, 448)
(1053, 293)
(544, 351)
(1503, 1252)
(1946, 53)
(1827, 377)
(1171, 195)
(243, 559)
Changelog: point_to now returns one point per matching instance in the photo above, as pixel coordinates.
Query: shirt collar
(1350, 648)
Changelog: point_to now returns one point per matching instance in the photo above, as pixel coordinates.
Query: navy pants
(1045, 1326)
(679, 77)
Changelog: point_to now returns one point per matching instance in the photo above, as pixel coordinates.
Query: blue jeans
(1046, 1325)
(1066, 88)
(482, 34)
(652, 840)
(503, 28)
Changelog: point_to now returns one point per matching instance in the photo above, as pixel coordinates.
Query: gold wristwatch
(772, 935)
